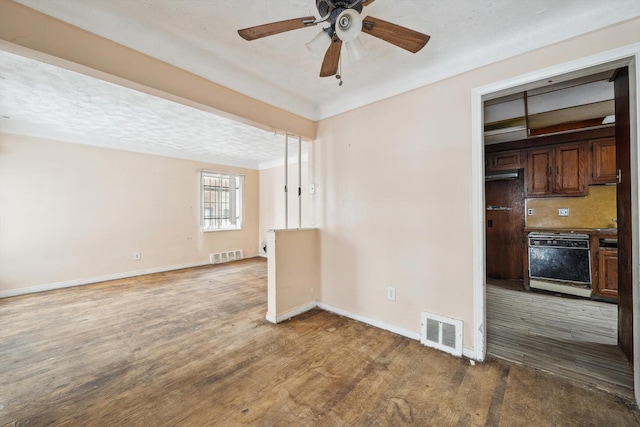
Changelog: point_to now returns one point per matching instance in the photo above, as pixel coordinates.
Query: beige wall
(71, 212)
(294, 275)
(272, 199)
(395, 193)
(394, 199)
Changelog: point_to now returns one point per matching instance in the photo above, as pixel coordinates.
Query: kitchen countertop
(599, 231)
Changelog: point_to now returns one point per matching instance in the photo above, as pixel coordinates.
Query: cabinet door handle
(619, 176)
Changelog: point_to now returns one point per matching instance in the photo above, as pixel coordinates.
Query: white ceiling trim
(201, 37)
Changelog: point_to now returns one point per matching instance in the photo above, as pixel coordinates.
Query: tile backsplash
(597, 210)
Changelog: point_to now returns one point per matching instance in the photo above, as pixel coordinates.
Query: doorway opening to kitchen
(557, 297)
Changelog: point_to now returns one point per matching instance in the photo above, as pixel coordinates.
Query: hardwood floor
(192, 348)
(571, 337)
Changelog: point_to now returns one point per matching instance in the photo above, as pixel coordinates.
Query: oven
(560, 262)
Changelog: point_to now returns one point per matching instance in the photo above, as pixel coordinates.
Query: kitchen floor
(570, 337)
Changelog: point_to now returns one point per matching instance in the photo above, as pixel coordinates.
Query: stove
(560, 262)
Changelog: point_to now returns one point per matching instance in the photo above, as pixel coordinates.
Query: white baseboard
(469, 353)
(377, 323)
(291, 313)
(88, 281)
(466, 352)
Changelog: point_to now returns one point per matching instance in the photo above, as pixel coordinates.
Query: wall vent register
(442, 333)
(222, 257)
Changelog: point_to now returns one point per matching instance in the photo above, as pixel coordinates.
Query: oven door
(560, 263)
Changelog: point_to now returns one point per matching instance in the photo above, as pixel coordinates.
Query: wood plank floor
(192, 348)
(571, 337)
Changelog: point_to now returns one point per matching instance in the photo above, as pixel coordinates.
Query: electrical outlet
(312, 189)
(563, 211)
(137, 256)
(391, 293)
(530, 211)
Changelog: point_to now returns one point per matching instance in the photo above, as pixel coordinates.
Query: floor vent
(442, 333)
(222, 257)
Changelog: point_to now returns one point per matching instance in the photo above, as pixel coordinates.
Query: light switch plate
(391, 293)
(563, 211)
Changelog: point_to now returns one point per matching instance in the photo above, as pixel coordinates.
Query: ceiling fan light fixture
(349, 25)
(355, 50)
(346, 24)
(319, 44)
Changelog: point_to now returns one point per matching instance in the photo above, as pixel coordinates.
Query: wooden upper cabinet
(557, 171)
(571, 170)
(505, 160)
(539, 173)
(603, 162)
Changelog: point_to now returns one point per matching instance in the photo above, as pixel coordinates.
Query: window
(221, 201)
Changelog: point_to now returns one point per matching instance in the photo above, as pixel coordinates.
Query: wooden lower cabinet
(607, 280)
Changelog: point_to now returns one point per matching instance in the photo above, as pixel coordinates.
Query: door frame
(624, 56)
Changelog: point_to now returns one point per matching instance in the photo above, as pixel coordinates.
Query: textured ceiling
(38, 99)
(200, 36)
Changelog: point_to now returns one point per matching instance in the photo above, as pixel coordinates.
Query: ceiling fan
(346, 24)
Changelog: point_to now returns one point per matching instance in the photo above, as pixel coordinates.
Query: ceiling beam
(562, 127)
(605, 131)
(27, 32)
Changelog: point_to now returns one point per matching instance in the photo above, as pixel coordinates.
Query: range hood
(502, 175)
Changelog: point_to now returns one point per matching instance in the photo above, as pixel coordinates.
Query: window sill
(215, 230)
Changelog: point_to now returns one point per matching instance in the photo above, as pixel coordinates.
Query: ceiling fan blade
(400, 36)
(367, 2)
(259, 31)
(331, 59)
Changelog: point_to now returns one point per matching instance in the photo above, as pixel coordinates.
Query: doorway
(525, 133)
(605, 61)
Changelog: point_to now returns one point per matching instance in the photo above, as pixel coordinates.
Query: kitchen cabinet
(505, 160)
(538, 173)
(556, 171)
(603, 162)
(571, 168)
(505, 243)
(607, 280)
